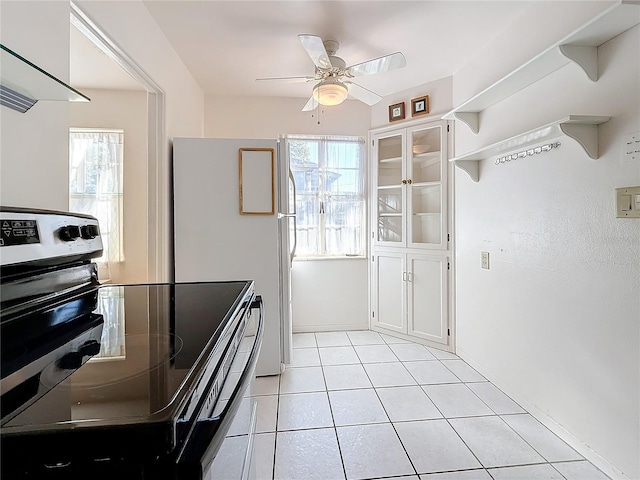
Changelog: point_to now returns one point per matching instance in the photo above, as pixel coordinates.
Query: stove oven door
(221, 444)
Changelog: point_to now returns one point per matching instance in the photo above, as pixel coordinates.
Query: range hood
(23, 83)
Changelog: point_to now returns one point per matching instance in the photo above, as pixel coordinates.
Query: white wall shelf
(582, 128)
(579, 47)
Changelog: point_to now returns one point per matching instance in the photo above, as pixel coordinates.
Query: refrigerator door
(214, 242)
(287, 238)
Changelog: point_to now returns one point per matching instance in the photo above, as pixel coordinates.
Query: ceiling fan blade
(315, 48)
(310, 105)
(377, 65)
(364, 95)
(288, 79)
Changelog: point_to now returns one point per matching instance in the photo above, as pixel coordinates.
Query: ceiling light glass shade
(330, 92)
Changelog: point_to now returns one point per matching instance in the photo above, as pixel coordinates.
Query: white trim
(157, 163)
(405, 124)
(330, 327)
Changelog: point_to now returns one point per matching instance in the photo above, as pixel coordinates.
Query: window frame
(322, 194)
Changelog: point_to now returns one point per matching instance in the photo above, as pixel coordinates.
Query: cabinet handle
(409, 181)
(404, 276)
(410, 277)
(404, 182)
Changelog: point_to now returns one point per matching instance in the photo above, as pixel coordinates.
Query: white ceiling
(228, 44)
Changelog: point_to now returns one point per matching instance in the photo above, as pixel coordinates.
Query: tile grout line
(275, 435)
(461, 381)
(333, 420)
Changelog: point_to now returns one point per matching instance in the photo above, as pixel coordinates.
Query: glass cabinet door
(426, 185)
(390, 173)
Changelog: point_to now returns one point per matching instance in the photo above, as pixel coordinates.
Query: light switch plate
(628, 202)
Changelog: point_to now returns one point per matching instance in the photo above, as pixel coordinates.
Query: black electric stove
(103, 380)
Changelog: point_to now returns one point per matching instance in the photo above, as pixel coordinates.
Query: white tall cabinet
(409, 234)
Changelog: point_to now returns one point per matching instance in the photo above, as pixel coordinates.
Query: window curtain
(95, 186)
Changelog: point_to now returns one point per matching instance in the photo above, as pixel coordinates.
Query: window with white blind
(330, 201)
(95, 184)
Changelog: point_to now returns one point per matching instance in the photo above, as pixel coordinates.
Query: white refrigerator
(213, 241)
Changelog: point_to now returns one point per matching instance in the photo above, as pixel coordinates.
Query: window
(95, 184)
(330, 202)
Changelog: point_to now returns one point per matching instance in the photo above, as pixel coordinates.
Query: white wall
(268, 117)
(125, 110)
(34, 151)
(344, 280)
(555, 321)
(330, 295)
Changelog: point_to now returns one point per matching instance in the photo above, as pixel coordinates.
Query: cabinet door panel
(427, 297)
(426, 209)
(390, 293)
(388, 176)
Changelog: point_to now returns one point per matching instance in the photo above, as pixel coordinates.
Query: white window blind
(330, 202)
(95, 184)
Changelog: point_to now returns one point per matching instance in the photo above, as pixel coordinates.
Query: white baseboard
(411, 338)
(574, 442)
(330, 327)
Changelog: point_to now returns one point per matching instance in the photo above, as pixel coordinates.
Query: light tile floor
(362, 405)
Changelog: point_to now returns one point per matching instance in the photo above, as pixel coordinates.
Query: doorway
(123, 80)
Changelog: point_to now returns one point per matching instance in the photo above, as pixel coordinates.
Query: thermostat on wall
(628, 202)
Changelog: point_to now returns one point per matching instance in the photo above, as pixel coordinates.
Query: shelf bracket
(470, 119)
(469, 166)
(585, 134)
(584, 56)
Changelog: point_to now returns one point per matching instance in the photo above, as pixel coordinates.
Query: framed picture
(396, 112)
(420, 106)
(257, 181)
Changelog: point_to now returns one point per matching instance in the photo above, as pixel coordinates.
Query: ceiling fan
(334, 77)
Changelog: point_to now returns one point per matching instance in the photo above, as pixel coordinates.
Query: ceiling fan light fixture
(330, 92)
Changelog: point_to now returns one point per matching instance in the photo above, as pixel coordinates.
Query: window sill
(330, 258)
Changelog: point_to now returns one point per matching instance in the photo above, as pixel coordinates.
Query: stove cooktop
(153, 336)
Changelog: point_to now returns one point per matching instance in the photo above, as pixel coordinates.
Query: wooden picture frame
(257, 181)
(420, 106)
(396, 112)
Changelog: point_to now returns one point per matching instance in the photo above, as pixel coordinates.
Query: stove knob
(90, 348)
(70, 361)
(69, 233)
(89, 231)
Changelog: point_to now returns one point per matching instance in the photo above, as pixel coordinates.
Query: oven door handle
(205, 429)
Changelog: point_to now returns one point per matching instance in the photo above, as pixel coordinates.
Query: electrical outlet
(485, 259)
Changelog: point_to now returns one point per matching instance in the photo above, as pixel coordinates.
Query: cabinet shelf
(390, 214)
(427, 159)
(391, 160)
(426, 214)
(426, 184)
(22, 84)
(579, 47)
(582, 128)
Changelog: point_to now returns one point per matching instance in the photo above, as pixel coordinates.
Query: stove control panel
(44, 236)
(19, 232)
